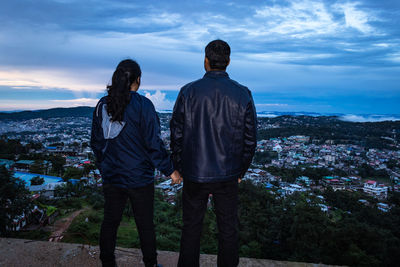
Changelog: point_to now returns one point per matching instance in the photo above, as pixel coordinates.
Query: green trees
(168, 222)
(14, 199)
(331, 128)
(57, 165)
(35, 146)
(38, 167)
(73, 173)
(294, 228)
(366, 171)
(290, 175)
(265, 157)
(10, 148)
(37, 180)
(87, 168)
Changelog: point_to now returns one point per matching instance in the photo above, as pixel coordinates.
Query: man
(213, 138)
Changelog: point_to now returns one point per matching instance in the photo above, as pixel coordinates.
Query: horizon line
(265, 112)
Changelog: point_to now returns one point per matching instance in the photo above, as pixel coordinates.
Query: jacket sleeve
(176, 127)
(154, 144)
(250, 135)
(97, 141)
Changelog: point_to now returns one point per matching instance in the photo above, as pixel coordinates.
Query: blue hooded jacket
(128, 152)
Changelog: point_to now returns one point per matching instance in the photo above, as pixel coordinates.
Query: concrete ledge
(21, 252)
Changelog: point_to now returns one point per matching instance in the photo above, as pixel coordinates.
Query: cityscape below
(325, 167)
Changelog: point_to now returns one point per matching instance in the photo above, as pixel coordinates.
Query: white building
(46, 190)
(324, 207)
(277, 148)
(383, 207)
(372, 188)
(289, 189)
(329, 158)
(299, 138)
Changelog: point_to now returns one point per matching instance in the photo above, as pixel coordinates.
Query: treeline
(54, 113)
(48, 113)
(15, 199)
(10, 148)
(295, 228)
(290, 174)
(320, 129)
(264, 157)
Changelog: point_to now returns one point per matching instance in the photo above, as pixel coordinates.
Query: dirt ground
(61, 226)
(24, 253)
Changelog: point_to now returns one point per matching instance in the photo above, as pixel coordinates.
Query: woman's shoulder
(99, 105)
(145, 103)
(102, 101)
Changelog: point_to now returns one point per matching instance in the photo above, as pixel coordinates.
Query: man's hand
(239, 180)
(176, 177)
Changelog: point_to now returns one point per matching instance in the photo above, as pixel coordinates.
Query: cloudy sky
(316, 56)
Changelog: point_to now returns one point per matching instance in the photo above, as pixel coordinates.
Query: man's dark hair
(218, 53)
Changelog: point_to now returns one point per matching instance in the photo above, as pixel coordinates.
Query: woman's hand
(176, 177)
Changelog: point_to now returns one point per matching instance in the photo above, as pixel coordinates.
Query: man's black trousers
(142, 200)
(195, 199)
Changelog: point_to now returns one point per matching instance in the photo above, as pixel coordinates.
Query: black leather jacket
(213, 129)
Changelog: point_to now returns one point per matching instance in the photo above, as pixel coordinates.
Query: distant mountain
(48, 113)
(340, 116)
(272, 114)
(88, 112)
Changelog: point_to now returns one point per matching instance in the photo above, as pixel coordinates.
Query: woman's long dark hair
(127, 72)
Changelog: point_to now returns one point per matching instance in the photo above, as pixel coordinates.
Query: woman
(127, 145)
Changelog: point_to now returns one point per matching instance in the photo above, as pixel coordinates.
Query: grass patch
(32, 235)
(167, 220)
(127, 235)
(82, 231)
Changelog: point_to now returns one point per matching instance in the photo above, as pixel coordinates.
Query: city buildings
(374, 189)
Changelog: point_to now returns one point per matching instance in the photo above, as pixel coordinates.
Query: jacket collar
(216, 74)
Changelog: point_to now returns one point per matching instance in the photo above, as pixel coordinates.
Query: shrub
(94, 216)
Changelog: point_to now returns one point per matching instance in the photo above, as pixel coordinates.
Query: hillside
(379, 135)
(48, 113)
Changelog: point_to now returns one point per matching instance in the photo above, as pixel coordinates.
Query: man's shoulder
(241, 89)
(205, 80)
(239, 85)
(192, 84)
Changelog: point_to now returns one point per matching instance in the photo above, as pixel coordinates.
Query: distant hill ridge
(85, 111)
(48, 113)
